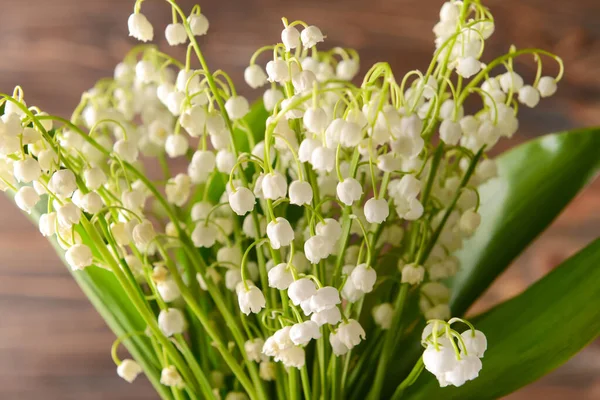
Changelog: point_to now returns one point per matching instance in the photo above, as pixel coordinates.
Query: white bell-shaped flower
(413, 274)
(468, 66)
(376, 210)
(280, 277)
(242, 200)
(169, 376)
(351, 333)
(469, 222)
(300, 193)
(178, 189)
(315, 119)
(441, 360)
(529, 96)
(193, 120)
(277, 71)
(126, 150)
(293, 357)
(198, 24)
(383, 314)
(280, 233)
(409, 209)
(304, 332)
(225, 161)
(63, 183)
(323, 159)
(301, 290)
(68, 215)
(310, 36)
(94, 178)
(251, 299)
(129, 370)
(254, 76)
(326, 297)
(337, 346)
(233, 277)
(475, 341)
(140, 28)
(175, 34)
(450, 132)
(317, 248)
(290, 37)
(47, 224)
(466, 369)
(329, 316)
(91, 203)
(253, 349)
(347, 69)
(303, 81)
(271, 97)
(176, 145)
(306, 149)
(237, 107)
(171, 322)
(143, 234)
(201, 166)
(330, 229)
(79, 256)
(27, 170)
(168, 290)
(363, 277)
(511, 81)
(274, 186)
(349, 191)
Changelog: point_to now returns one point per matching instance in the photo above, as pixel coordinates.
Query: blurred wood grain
(52, 343)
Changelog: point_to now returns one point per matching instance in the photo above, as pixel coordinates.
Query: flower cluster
(454, 358)
(291, 218)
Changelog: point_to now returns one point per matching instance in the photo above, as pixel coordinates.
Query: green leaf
(533, 333)
(536, 181)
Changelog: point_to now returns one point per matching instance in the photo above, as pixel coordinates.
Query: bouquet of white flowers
(308, 247)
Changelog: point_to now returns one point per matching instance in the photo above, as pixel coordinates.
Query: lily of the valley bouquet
(325, 242)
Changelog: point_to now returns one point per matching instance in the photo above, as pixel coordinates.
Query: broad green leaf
(533, 333)
(110, 300)
(536, 181)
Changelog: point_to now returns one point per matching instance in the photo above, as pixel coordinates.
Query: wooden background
(52, 343)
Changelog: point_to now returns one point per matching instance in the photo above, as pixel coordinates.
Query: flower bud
(511, 81)
(280, 233)
(79, 256)
(139, 27)
(546, 86)
(175, 34)
(349, 191)
(171, 322)
(129, 370)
